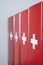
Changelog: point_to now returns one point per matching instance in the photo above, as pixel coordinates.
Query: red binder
(16, 39)
(24, 37)
(35, 35)
(10, 42)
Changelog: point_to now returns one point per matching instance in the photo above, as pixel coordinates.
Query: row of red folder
(25, 37)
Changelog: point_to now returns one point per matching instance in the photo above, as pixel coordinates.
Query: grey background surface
(9, 8)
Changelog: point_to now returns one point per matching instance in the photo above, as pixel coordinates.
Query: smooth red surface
(42, 33)
(29, 22)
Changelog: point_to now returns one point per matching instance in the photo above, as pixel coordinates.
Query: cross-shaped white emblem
(24, 38)
(16, 37)
(11, 35)
(33, 41)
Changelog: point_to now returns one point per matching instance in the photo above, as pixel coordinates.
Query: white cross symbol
(11, 35)
(16, 37)
(34, 41)
(23, 38)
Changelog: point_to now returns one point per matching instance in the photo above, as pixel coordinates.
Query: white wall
(9, 8)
